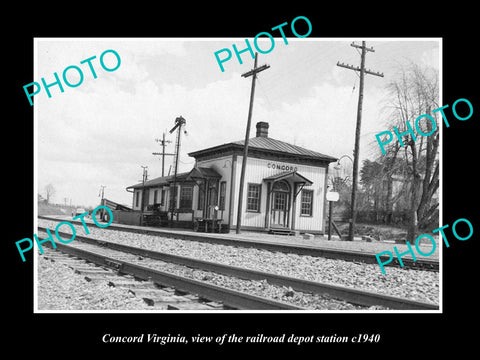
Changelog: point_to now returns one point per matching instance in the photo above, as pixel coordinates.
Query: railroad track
(354, 296)
(229, 298)
(155, 296)
(336, 254)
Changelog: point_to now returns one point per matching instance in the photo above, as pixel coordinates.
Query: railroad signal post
(331, 196)
(179, 122)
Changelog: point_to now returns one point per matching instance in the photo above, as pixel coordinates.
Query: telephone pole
(163, 143)
(252, 73)
(356, 152)
(145, 174)
(102, 192)
(144, 179)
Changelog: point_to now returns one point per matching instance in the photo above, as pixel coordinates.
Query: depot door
(280, 204)
(145, 197)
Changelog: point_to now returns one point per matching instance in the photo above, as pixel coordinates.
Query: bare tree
(49, 192)
(416, 92)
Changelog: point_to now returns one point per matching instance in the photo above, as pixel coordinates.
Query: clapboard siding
(258, 169)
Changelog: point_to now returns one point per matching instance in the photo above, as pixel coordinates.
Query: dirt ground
(378, 232)
(51, 209)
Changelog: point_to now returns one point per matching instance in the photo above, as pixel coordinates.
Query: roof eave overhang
(229, 148)
(293, 175)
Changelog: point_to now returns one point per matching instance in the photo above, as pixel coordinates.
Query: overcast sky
(103, 131)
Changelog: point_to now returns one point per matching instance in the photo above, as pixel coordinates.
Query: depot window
(223, 188)
(162, 199)
(173, 195)
(253, 197)
(186, 197)
(137, 196)
(201, 196)
(306, 203)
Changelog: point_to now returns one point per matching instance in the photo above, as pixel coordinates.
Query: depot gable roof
(266, 145)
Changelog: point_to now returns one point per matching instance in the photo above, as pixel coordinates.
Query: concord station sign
(284, 167)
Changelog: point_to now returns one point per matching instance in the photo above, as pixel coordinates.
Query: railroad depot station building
(284, 188)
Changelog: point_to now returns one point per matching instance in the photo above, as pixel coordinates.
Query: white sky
(101, 132)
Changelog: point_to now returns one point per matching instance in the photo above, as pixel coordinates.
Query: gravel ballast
(260, 288)
(411, 284)
(60, 288)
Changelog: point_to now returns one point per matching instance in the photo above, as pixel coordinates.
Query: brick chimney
(262, 129)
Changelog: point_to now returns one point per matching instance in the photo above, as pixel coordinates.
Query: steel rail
(354, 296)
(336, 254)
(228, 297)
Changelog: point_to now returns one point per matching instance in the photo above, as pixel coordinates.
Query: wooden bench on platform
(210, 225)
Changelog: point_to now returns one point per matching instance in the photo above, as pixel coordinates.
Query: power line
(265, 94)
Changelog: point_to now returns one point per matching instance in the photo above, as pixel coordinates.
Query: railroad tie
(93, 271)
(189, 306)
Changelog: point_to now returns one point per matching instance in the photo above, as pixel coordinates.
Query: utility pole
(356, 152)
(145, 173)
(144, 179)
(163, 143)
(102, 192)
(252, 73)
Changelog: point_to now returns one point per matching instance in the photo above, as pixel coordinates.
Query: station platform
(318, 241)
